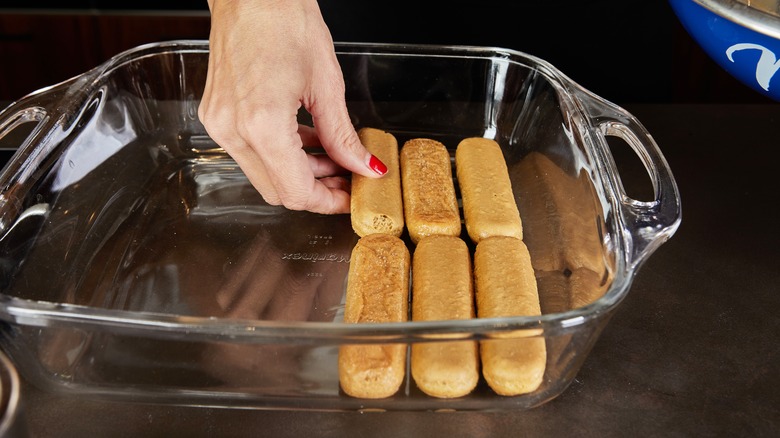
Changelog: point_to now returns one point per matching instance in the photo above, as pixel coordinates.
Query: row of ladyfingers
(427, 205)
(444, 286)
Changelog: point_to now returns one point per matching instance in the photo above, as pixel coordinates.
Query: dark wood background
(626, 52)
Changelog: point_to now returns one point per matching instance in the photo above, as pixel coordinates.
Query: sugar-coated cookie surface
(430, 204)
(513, 363)
(377, 291)
(489, 206)
(504, 278)
(376, 205)
(442, 289)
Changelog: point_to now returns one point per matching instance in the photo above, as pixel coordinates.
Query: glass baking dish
(138, 263)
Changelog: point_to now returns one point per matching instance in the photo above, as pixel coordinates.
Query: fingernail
(377, 166)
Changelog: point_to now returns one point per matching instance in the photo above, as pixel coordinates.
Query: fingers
(278, 167)
(335, 130)
(265, 62)
(324, 98)
(323, 166)
(309, 136)
(336, 183)
(285, 175)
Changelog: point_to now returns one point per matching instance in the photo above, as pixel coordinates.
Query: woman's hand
(267, 59)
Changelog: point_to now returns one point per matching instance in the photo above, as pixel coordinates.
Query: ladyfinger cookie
(442, 289)
(377, 291)
(376, 205)
(513, 363)
(430, 204)
(562, 223)
(560, 291)
(489, 206)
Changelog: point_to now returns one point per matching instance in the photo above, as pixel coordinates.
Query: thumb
(339, 139)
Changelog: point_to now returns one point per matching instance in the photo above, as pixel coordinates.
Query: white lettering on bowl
(767, 64)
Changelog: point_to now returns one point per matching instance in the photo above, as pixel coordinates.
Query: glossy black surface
(692, 351)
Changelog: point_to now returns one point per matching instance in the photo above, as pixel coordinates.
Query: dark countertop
(692, 351)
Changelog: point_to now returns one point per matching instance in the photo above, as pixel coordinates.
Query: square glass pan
(137, 263)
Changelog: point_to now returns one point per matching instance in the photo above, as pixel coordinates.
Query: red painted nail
(377, 166)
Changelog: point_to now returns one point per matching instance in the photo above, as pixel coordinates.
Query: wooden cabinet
(645, 57)
(42, 49)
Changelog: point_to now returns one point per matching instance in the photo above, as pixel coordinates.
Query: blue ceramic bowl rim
(744, 15)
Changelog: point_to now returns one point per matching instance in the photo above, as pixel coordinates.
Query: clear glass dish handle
(648, 223)
(45, 108)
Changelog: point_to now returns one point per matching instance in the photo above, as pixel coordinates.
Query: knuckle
(271, 199)
(296, 198)
(345, 137)
(215, 122)
(295, 202)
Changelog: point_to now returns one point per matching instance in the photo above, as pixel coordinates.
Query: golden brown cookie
(376, 205)
(489, 206)
(377, 291)
(430, 204)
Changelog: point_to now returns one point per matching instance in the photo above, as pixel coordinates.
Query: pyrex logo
(767, 65)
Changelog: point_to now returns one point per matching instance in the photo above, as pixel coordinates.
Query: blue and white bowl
(742, 36)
